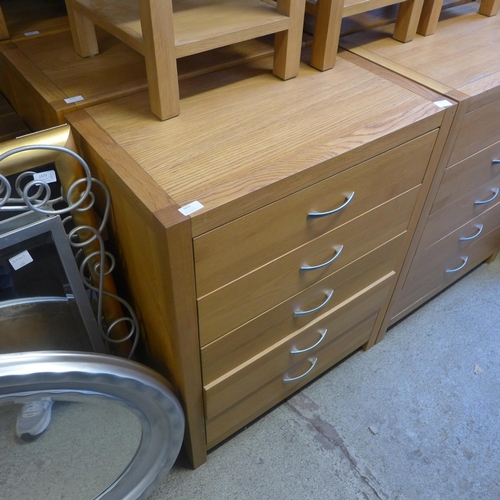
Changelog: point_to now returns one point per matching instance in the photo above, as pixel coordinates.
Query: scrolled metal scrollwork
(36, 195)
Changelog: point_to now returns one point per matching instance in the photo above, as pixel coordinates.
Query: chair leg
(326, 33)
(489, 7)
(407, 20)
(288, 44)
(159, 51)
(4, 32)
(430, 17)
(82, 32)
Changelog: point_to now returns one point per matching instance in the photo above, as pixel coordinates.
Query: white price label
(47, 177)
(20, 260)
(71, 100)
(194, 206)
(443, 104)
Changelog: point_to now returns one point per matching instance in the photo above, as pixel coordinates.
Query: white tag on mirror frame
(20, 260)
(47, 177)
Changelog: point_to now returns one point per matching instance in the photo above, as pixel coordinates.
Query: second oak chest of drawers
(460, 227)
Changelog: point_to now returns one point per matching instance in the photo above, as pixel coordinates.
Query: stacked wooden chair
(165, 30)
(432, 9)
(329, 15)
(4, 32)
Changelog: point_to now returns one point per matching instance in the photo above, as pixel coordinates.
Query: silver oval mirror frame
(141, 390)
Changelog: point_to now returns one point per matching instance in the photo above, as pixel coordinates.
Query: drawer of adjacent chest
(455, 243)
(480, 128)
(251, 388)
(468, 175)
(455, 266)
(239, 247)
(455, 215)
(240, 301)
(253, 337)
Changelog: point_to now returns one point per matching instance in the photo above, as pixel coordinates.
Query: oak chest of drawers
(301, 199)
(460, 227)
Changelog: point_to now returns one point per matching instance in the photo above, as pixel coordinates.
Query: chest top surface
(243, 129)
(461, 55)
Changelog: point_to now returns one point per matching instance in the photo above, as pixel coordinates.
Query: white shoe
(34, 419)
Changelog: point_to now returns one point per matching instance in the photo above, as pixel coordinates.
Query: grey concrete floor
(414, 418)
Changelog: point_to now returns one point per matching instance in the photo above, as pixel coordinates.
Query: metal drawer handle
(298, 312)
(465, 259)
(480, 230)
(319, 266)
(495, 194)
(348, 200)
(300, 351)
(313, 362)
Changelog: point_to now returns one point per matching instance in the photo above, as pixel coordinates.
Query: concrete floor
(414, 418)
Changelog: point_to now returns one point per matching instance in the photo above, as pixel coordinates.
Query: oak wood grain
(237, 248)
(155, 254)
(338, 119)
(33, 17)
(242, 299)
(431, 283)
(350, 335)
(432, 256)
(279, 322)
(459, 212)
(463, 177)
(462, 35)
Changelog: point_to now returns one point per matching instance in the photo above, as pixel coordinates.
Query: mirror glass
(43, 303)
(87, 445)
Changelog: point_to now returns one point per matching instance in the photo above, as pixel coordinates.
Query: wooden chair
(148, 26)
(329, 15)
(4, 32)
(432, 10)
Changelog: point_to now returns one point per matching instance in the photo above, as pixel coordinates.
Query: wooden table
(460, 225)
(235, 297)
(165, 30)
(23, 18)
(44, 79)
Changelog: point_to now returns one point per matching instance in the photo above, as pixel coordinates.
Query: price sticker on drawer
(48, 177)
(71, 100)
(20, 260)
(443, 104)
(190, 208)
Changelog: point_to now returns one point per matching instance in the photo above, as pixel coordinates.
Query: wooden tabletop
(34, 17)
(243, 129)
(463, 55)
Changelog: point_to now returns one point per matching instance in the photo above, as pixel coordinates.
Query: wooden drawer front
(437, 279)
(253, 337)
(261, 379)
(444, 222)
(480, 129)
(243, 299)
(467, 175)
(454, 244)
(237, 248)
